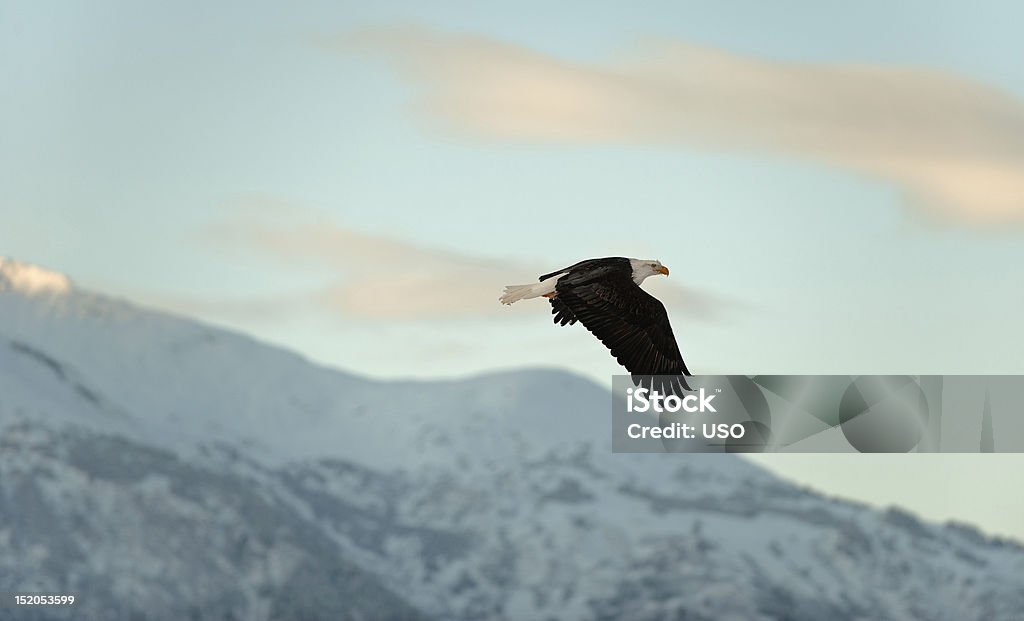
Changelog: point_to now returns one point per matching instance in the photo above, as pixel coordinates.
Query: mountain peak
(31, 279)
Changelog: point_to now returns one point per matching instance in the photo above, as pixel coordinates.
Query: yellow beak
(663, 270)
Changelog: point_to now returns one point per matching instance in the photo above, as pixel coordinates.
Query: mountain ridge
(194, 472)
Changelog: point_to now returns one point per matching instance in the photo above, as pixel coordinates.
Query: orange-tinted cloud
(377, 277)
(951, 144)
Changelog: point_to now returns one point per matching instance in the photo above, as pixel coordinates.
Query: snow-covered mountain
(164, 469)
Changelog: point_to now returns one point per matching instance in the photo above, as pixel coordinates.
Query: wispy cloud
(377, 277)
(953, 145)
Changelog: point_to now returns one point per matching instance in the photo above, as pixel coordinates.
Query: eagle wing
(631, 323)
(563, 314)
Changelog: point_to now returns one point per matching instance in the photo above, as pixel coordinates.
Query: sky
(835, 188)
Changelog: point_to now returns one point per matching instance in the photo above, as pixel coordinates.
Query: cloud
(953, 145)
(377, 277)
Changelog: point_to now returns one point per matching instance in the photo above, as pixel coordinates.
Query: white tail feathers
(514, 293)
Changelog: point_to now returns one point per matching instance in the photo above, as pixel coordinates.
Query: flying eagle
(605, 296)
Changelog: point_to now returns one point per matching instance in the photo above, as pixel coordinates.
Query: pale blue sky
(139, 142)
(131, 128)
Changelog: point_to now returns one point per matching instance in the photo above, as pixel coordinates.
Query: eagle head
(642, 268)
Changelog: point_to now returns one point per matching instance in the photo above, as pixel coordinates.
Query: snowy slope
(166, 469)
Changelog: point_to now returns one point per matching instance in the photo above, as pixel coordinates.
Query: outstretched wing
(563, 315)
(630, 322)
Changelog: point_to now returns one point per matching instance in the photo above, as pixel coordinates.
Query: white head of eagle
(605, 296)
(642, 268)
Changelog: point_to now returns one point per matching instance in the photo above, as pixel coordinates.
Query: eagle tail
(514, 293)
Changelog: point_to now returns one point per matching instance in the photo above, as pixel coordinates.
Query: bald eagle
(605, 296)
